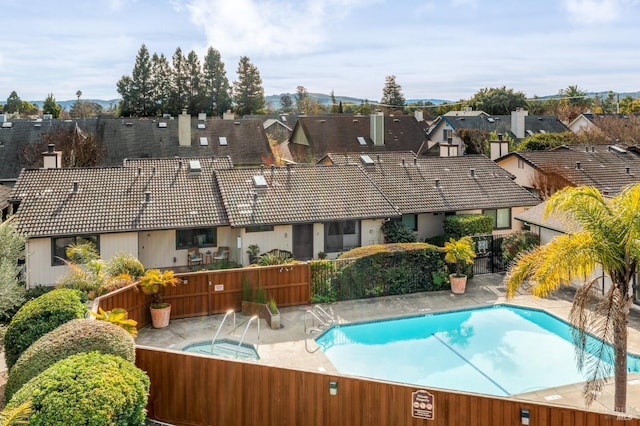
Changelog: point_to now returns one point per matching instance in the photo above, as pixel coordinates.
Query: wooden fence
(214, 292)
(189, 389)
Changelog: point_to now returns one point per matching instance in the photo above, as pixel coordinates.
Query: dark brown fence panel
(190, 298)
(190, 389)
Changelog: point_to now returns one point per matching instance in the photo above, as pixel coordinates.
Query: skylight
(201, 126)
(223, 140)
(530, 132)
(366, 160)
(7, 125)
(491, 120)
(194, 166)
(162, 124)
(204, 141)
(259, 181)
(361, 140)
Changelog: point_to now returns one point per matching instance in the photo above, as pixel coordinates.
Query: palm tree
(609, 236)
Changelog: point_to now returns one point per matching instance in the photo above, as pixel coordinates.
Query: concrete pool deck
(291, 347)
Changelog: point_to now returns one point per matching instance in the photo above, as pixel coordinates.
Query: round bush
(87, 389)
(73, 337)
(38, 317)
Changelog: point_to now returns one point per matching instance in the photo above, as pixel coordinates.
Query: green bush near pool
(73, 337)
(38, 317)
(87, 389)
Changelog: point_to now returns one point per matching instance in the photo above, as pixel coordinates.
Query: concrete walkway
(291, 347)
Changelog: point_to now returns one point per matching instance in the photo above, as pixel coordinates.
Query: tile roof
(535, 216)
(24, 132)
(356, 157)
(412, 186)
(339, 133)
(301, 194)
(602, 167)
(502, 123)
(247, 143)
(112, 199)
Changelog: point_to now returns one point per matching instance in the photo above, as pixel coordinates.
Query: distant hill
(274, 100)
(66, 105)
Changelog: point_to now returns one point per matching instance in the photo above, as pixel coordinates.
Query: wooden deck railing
(213, 292)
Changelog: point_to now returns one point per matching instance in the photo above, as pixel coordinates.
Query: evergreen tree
(124, 87)
(141, 87)
(193, 84)
(50, 106)
(286, 104)
(215, 84)
(161, 82)
(248, 92)
(13, 103)
(334, 105)
(392, 93)
(179, 91)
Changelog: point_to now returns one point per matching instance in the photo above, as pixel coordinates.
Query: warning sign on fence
(422, 406)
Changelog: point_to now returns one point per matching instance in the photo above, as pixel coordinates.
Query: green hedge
(388, 269)
(73, 337)
(38, 317)
(459, 225)
(87, 389)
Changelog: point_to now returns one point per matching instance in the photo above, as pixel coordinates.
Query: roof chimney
(51, 159)
(180, 165)
(472, 172)
(403, 163)
(437, 183)
(377, 128)
(184, 129)
(147, 196)
(418, 114)
(499, 136)
(578, 167)
(517, 122)
(628, 169)
(415, 162)
(499, 147)
(75, 187)
(139, 171)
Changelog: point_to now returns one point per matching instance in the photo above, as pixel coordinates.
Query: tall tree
(179, 90)
(334, 104)
(13, 103)
(215, 85)
(607, 236)
(125, 88)
(302, 100)
(248, 92)
(141, 84)
(161, 75)
(392, 94)
(193, 84)
(286, 104)
(50, 106)
(497, 100)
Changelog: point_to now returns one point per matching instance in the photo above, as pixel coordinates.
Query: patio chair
(221, 254)
(194, 257)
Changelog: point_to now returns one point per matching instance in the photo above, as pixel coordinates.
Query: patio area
(291, 347)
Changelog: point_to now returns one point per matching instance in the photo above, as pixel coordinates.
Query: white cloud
(593, 11)
(269, 27)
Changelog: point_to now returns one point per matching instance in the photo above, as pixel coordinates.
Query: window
(409, 220)
(501, 217)
(520, 163)
(59, 246)
(341, 236)
(259, 228)
(197, 237)
(446, 134)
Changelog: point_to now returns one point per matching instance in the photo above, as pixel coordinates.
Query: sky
(436, 49)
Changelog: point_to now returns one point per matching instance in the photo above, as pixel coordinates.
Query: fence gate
(489, 257)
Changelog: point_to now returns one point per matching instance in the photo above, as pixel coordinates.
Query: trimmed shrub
(73, 337)
(397, 232)
(87, 389)
(460, 225)
(388, 269)
(124, 263)
(38, 317)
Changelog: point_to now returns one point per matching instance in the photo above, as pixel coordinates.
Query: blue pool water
(498, 350)
(224, 348)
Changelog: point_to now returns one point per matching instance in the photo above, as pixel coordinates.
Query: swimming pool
(499, 350)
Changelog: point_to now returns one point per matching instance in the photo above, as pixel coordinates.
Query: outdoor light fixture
(333, 388)
(524, 416)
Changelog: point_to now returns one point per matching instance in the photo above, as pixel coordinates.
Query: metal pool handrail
(245, 332)
(229, 312)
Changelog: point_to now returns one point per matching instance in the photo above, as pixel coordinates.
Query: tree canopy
(497, 100)
(248, 92)
(392, 93)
